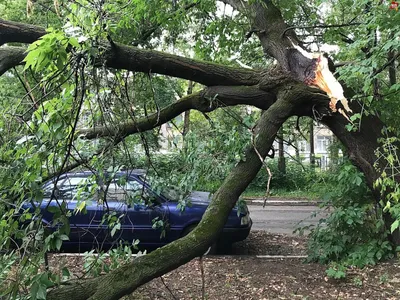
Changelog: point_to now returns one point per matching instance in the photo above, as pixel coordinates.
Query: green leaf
(44, 280)
(38, 291)
(115, 228)
(58, 243)
(394, 226)
(53, 209)
(74, 42)
(34, 290)
(65, 272)
(64, 237)
(81, 206)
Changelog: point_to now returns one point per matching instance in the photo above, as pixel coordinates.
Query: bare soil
(254, 278)
(245, 276)
(264, 243)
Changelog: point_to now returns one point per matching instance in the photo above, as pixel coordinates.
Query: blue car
(102, 213)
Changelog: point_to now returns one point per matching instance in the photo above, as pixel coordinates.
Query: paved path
(283, 219)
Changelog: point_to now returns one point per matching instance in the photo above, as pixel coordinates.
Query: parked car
(96, 208)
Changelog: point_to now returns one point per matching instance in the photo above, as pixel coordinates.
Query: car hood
(200, 198)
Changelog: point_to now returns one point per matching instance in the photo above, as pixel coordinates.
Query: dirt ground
(263, 243)
(244, 276)
(253, 278)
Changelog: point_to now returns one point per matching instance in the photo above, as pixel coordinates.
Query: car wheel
(224, 248)
(211, 250)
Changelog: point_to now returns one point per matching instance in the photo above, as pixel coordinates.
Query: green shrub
(353, 233)
(295, 178)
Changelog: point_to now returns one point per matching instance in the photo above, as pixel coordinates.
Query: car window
(170, 193)
(49, 187)
(119, 191)
(71, 187)
(130, 192)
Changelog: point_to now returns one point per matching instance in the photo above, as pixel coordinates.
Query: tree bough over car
(301, 83)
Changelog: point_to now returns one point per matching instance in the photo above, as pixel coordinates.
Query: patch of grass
(284, 193)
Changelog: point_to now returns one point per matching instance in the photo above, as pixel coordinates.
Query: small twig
(267, 192)
(386, 65)
(343, 63)
(26, 88)
(208, 119)
(169, 290)
(203, 283)
(296, 160)
(298, 128)
(46, 261)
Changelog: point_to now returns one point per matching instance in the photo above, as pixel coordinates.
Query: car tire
(212, 250)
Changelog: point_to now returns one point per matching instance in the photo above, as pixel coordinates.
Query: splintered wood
(326, 81)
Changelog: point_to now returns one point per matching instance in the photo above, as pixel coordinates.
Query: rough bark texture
(392, 68)
(10, 57)
(19, 32)
(150, 61)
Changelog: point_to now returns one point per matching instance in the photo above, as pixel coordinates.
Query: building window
(322, 143)
(303, 146)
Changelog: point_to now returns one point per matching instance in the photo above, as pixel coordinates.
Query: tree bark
(10, 57)
(281, 155)
(19, 32)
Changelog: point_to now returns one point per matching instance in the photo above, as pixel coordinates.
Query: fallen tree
(300, 85)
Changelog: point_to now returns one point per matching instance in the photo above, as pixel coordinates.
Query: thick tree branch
(127, 278)
(149, 61)
(292, 99)
(19, 32)
(10, 57)
(131, 58)
(204, 101)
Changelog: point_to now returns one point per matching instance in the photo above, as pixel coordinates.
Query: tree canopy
(84, 82)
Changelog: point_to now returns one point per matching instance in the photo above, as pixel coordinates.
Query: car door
(85, 215)
(137, 209)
